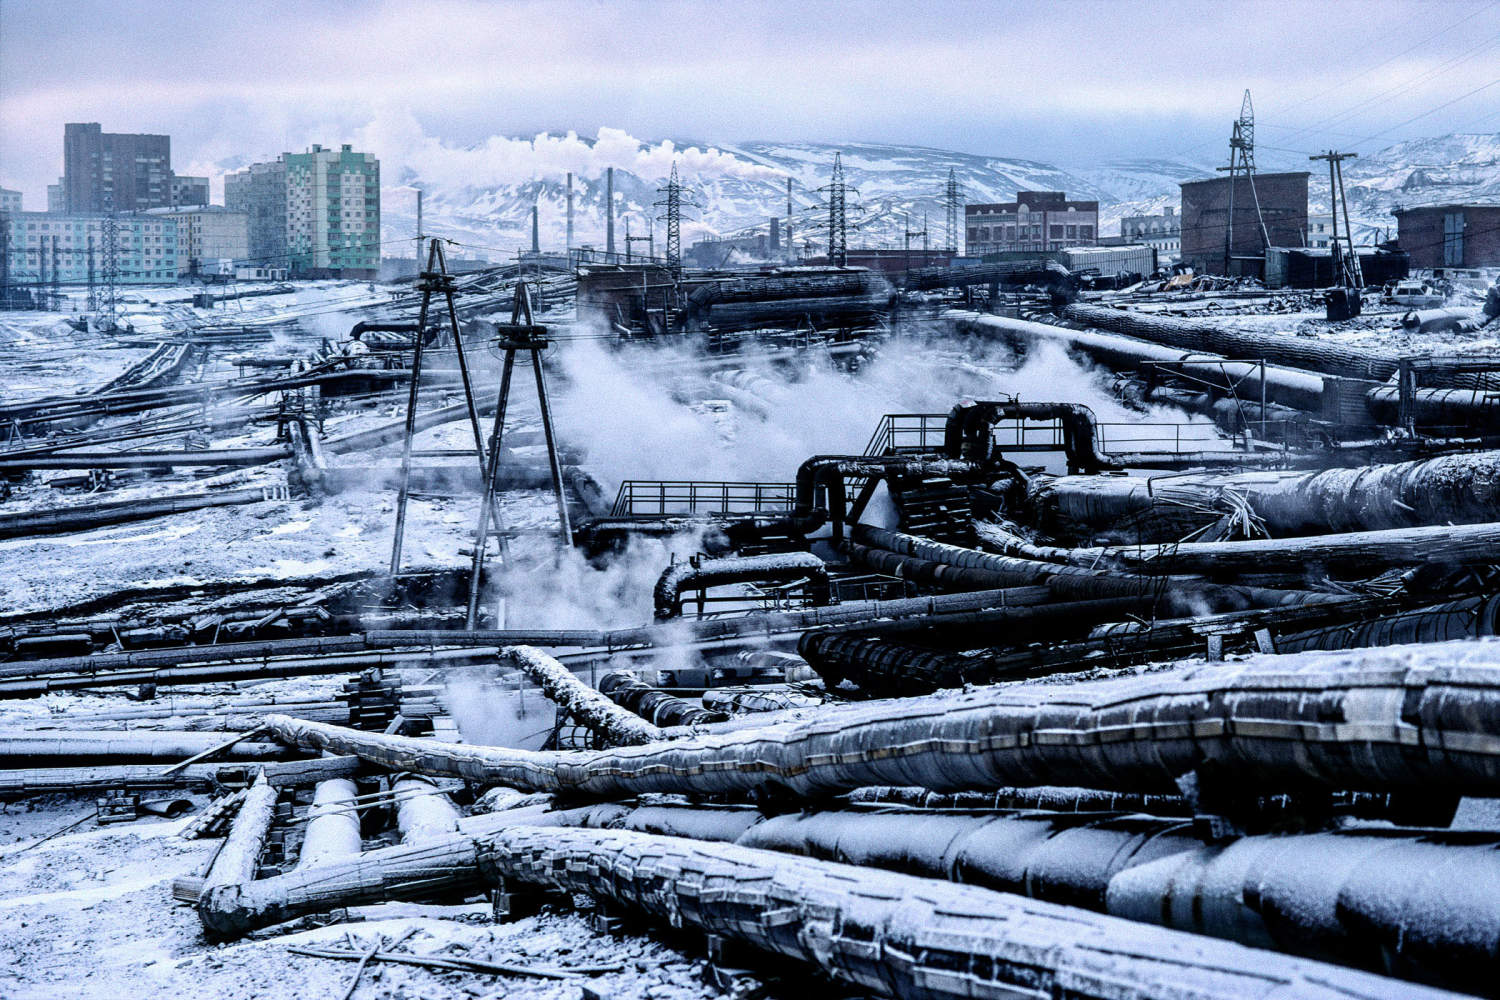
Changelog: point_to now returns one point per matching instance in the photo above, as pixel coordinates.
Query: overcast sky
(1069, 83)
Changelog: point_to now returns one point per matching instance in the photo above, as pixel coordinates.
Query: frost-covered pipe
(61, 748)
(1219, 337)
(1452, 545)
(885, 933)
(830, 471)
(611, 723)
(1274, 723)
(332, 830)
(423, 812)
(1450, 489)
(705, 573)
(1289, 386)
(235, 865)
(1328, 896)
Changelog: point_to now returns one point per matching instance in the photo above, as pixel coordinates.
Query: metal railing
(661, 498)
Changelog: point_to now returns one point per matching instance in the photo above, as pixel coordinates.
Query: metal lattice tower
(108, 303)
(1244, 132)
(56, 293)
(93, 303)
(672, 203)
(1242, 158)
(953, 206)
(838, 220)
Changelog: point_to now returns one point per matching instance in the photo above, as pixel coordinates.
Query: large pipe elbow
(782, 566)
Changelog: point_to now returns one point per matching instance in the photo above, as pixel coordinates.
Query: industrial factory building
(1035, 221)
(1275, 201)
(1461, 235)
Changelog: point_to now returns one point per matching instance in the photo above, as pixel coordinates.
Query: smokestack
(775, 234)
(569, 244)
(419, 229)
(536, 242)
(609, 210)
(789, 251)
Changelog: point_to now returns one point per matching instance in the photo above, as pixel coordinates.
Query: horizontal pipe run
(1367, 721)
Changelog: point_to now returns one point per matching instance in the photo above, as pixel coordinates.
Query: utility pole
(952, 204)
(1351, 275)
(419, 229)
(1242, 157)
(536, 237)
(909, 233)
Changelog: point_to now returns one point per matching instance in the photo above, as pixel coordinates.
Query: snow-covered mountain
(893, 184)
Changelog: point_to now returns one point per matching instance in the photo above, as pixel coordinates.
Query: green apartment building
(317, 213)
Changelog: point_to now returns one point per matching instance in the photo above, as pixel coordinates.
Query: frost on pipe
(705, 573)
(1452, 489)
(1323, 895)
(1464, 544)
(894, 935)
(1424, 719)
(613, 724)
(899, 935)
(332, 824)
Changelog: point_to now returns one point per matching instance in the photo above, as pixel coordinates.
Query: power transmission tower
(93, 305)
(838, 219)
(56, 302)
(108, 304)
(1350, 274)
(1242, 158)
(674, 219)
(953, 205)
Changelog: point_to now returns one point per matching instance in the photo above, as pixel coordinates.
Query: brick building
(1036, 220)
(1464, 235)
(1205, 218)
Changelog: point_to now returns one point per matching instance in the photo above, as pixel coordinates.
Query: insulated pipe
(885, 933)
(1372, 720)
(705, 573)
(1289, 386)
(1049, 273)
(615, 726)
(83, 517)
(332, 829)
(830, 471)
(657, 707)
(234, 866)
(1451, 489)
(423, 811)
(146, 459)
(967, 433)
(84, 747)
(1327, 896)
(1470, 618)
(1309, 353)
(1456, 545)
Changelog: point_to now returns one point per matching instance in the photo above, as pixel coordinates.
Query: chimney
(775, 234)
(536, 242)
(569, 244)
(609, 210)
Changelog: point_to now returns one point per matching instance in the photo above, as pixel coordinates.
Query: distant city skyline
(418, 84)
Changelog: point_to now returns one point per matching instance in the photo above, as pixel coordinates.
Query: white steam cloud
(401, 142)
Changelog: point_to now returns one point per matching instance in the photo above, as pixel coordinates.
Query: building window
(1086, 232)
(1056, 232)
(1072, 232)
